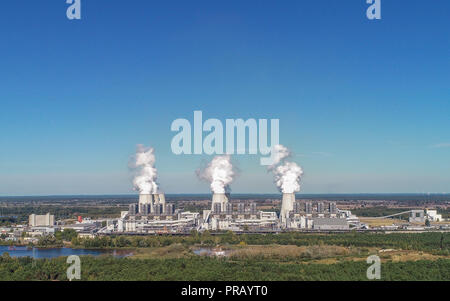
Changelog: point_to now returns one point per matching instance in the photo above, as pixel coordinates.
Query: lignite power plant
(153, 215)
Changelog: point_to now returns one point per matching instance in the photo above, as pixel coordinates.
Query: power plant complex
(152, 214)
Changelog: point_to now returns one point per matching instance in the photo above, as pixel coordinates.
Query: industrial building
(319, 216)
(327, 223)
(239, 217)
(417, 216)
(433, 216)
(45, 220)
(293, 215)
(420, 216)
(153, 215)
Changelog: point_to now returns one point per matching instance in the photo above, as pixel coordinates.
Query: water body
(57, 252)
(211, 252)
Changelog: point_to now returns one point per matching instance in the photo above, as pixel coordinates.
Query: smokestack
(219, 198)
(287, 205)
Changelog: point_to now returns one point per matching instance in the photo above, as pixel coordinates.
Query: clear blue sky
(364, 105)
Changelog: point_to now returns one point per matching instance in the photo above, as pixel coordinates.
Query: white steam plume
(146, 173)
(280, 153)
(287, 174)
(219, 172)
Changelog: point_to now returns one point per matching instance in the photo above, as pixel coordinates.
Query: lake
(57, 252)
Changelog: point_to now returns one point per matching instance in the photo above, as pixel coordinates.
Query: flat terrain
(378, 222)
(286, 253)
(270, 257)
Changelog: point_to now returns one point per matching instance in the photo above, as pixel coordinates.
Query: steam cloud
(287, 174)
(146, 173)
(219, 172)
(280, 153)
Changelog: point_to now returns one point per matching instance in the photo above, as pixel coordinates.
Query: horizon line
(240, 193)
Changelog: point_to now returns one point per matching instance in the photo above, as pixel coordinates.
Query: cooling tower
(145, 199)
(156, 198)
(151, 199)
(219, 198)
(287, 205)
(162, 198)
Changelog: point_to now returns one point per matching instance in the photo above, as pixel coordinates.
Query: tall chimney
(287, 205)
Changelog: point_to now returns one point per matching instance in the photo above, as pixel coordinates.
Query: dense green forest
(204, 268)
(435, 242)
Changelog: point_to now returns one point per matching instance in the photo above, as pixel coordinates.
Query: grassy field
(167, 252)
(289, 253)
(378, 222)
